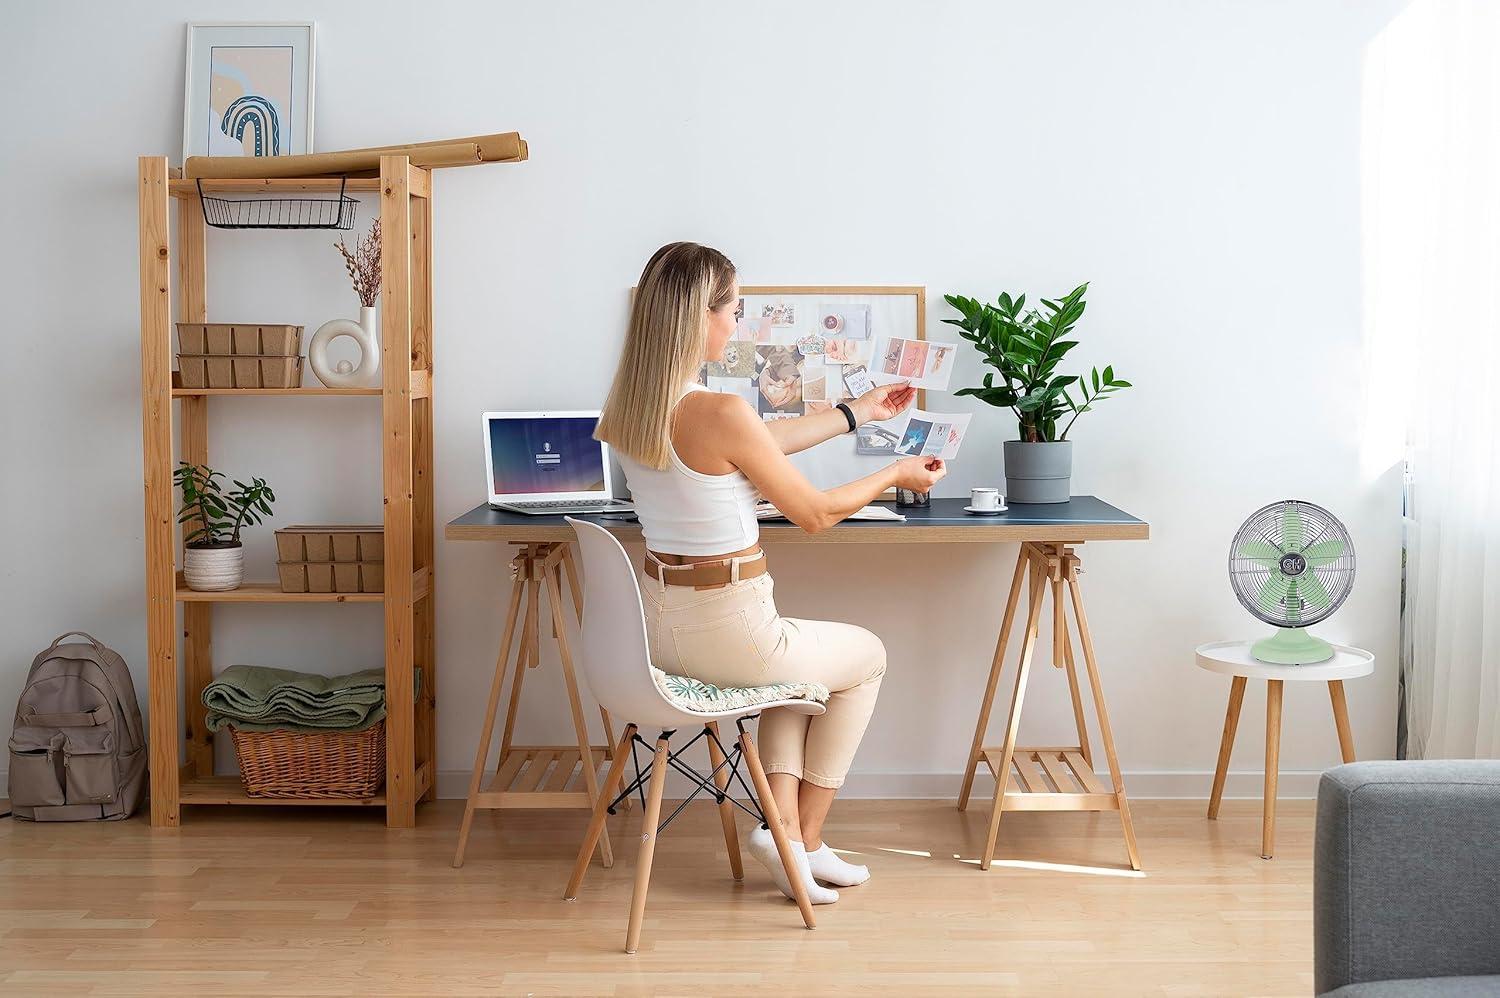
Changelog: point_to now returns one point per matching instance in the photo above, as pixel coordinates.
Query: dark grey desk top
(1084, 518)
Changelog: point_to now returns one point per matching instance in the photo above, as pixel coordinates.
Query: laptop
(547, 464)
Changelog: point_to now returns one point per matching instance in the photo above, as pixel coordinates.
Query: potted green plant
(1025, 346)
(213, 559)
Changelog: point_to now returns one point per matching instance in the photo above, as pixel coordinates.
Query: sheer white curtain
(1432, 251)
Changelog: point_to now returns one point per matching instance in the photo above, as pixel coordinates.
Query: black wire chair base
(701, 784)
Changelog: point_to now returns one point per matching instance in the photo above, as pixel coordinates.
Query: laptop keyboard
(569, 503)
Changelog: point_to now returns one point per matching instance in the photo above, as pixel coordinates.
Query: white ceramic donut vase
(344, 375)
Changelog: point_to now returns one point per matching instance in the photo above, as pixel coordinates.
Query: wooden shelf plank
(270, 592)
(229, 790)
(328, 185)
(191, 392)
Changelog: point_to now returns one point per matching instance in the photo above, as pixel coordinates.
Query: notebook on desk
(766, 511)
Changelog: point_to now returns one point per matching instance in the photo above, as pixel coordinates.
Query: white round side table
(1233, 658)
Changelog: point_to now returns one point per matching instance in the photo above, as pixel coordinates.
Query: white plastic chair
(616, 665)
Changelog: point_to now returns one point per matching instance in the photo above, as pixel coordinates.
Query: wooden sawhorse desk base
(1051, 778)
(537, 776)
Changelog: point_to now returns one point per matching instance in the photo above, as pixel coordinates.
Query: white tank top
(686, 512)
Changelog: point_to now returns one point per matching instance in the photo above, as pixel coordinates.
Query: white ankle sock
(826, 865)
(763, 847)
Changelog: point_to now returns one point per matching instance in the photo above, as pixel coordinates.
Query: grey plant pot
(1038, 473)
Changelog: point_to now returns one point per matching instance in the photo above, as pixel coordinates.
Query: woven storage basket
(311, 766)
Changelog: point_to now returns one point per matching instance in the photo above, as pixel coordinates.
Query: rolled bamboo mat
(505, 147)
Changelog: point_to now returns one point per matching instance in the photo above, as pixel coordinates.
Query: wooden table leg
(976, 749)
(1226, 744)
(1273, 756)
(1341, 719)
(488, 731)
(1013, 722)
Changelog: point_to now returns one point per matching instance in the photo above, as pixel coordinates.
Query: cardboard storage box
(331, 576)
(211, 371)
(243, 338)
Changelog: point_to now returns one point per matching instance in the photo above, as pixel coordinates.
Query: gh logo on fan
(1293, 564)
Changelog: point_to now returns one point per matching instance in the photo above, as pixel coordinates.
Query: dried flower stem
(363, 265)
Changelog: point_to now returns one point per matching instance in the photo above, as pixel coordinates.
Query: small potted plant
(213, 559)
(1025, 346)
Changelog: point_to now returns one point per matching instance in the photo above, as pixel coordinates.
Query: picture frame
(248, 88)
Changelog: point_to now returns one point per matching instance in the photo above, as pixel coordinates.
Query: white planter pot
(344, 375)
(215, 569)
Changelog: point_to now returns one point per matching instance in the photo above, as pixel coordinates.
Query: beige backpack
(78, 749)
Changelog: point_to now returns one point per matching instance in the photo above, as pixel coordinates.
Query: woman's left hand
(884, 402)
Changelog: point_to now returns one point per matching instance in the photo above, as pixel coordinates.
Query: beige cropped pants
(733, 636)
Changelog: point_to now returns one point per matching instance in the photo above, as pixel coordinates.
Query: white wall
(1197, 162)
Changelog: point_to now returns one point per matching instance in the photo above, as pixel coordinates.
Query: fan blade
(1293, 599)
(1269, 597)
(1264, 553)
(1324, 553)
(1316, 595)
(1291, 528)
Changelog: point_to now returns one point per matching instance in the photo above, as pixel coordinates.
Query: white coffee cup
(985, 498)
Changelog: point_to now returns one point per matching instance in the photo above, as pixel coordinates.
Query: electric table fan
(1292, 565)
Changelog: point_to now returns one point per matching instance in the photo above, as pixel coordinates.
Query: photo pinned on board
(857, 380)
(844, 351)
(780, 379)
(738, 362)
(844, 321)
(743, 387)
(810, 345)
(780, 313)
(814, 379)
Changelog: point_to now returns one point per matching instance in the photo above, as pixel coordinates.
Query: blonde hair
(664, 346)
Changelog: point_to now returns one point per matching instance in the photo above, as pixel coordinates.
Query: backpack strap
(92, 640)
(77, 719)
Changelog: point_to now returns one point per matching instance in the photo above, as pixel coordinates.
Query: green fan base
(1292, 646)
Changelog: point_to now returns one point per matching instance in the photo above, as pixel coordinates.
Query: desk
(1039, 778)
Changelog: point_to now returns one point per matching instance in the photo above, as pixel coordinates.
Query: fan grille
(1292, 563)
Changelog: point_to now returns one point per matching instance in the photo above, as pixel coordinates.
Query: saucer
(985, 512)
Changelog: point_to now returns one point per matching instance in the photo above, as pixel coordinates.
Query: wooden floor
(328, 902)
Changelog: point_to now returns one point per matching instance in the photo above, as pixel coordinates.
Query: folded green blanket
(256, 698)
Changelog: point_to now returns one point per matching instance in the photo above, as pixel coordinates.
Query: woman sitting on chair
(695, 461)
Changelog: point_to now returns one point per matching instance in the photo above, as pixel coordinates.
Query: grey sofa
(1406, 897)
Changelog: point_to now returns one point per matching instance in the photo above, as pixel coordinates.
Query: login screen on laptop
(545, 455)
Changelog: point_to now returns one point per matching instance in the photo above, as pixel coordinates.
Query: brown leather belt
(706, 574)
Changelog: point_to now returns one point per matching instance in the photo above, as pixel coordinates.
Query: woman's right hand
(919, 474)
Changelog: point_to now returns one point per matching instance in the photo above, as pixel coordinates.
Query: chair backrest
(616, 654)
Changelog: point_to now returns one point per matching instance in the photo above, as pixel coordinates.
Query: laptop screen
(536, 455)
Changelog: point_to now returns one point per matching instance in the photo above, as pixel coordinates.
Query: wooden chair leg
(1013, 723)
(488, 731)
(976, 750)
(778, 834)
(726, 809)
(1226, 744)
(1341, 719)
(612, 781)
(649, 819)
(1273, 760)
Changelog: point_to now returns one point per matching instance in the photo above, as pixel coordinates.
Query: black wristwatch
(849, 415)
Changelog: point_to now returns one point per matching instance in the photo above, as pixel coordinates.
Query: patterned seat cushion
(699, 697)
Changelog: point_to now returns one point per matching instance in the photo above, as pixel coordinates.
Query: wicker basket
(311, 766)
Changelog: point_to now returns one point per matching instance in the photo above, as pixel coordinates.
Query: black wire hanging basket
(279, 213)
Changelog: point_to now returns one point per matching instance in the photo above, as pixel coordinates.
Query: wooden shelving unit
(406, 418)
